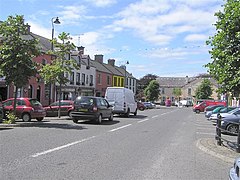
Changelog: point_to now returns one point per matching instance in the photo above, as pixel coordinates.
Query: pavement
(209, 145)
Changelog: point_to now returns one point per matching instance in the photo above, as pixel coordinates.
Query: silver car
(234, 171)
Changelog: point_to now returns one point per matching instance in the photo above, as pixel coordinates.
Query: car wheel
(69, 113)
(128, 113)
(141, 108)
(232, 128)
(135, 113)
(99, 119)
(197, 111)
(39, 119)
(75, 120)
(26, 117)
(111, 117)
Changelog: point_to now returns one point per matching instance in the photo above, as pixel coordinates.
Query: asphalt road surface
(156, 144)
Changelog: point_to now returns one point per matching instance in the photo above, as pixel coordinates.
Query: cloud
(159, 22)
(102, 3)
(196, 37)
(72, 14)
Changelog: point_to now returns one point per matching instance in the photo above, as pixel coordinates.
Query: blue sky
(162, 37)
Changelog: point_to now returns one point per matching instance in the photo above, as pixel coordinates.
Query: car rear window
(35, 102)
(84, 101)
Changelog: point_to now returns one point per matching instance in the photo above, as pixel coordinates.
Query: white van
(122, 100)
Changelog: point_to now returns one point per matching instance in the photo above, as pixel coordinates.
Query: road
(156, 144)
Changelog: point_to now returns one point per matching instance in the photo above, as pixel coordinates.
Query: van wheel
(99, 119)
(26, 117)
(135, 113)
(111, 117)
(128, 113)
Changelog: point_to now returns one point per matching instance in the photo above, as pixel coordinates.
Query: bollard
(218, 130)
(238, 141)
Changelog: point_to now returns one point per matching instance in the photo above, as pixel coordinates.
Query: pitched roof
(100, 67)
(113, 69)
(174, 81)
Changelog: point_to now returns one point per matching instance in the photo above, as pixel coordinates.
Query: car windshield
(234, 111)
(217, 109)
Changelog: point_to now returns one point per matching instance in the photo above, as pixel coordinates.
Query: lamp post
(125, 77)
(56, 21)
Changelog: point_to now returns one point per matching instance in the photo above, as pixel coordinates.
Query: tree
(62, 63)
(143, 83)
(225, 52)
(17, 49)
(177, 92)
(152, 91)
(204, 91)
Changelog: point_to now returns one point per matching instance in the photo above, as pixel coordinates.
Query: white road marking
(120, 127)
(206, 133)
(61, 147)
(143, 120)
(155, 116)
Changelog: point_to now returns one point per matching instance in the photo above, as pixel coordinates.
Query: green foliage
(54, 72)
(152, 91)
(177, 92)
(225, 52)
(204, 91)
(17, 49)
(11, 119)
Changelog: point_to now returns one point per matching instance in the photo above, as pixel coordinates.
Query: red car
(140, 106)
(66, 108)
(26, 108)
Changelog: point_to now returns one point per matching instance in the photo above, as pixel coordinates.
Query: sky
(166, 38)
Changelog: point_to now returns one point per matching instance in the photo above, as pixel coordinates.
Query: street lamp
(54, 20)
(125, 77)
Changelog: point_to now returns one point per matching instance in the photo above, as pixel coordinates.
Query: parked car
(149, 105)
(66, 108)
(234, 171)
(220, 109)
(234, 113)
(91, 108)
(230, 124)
(214, 111)
(140, 106)
(26, 108)
(211, 108)
(201, 107)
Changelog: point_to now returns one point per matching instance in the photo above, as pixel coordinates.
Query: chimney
(81, 50)
(99, 58)
(187, 80)
(111, 62)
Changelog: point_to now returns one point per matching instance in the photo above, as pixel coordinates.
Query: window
(115, 81)
(30, 91)
(72, 78)
(108, 80)
(87, 80)
(189, 91)
(78, 78)
(91, 80)
(66, 75)
(163, 91)
(83, 78)
(99, 78)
